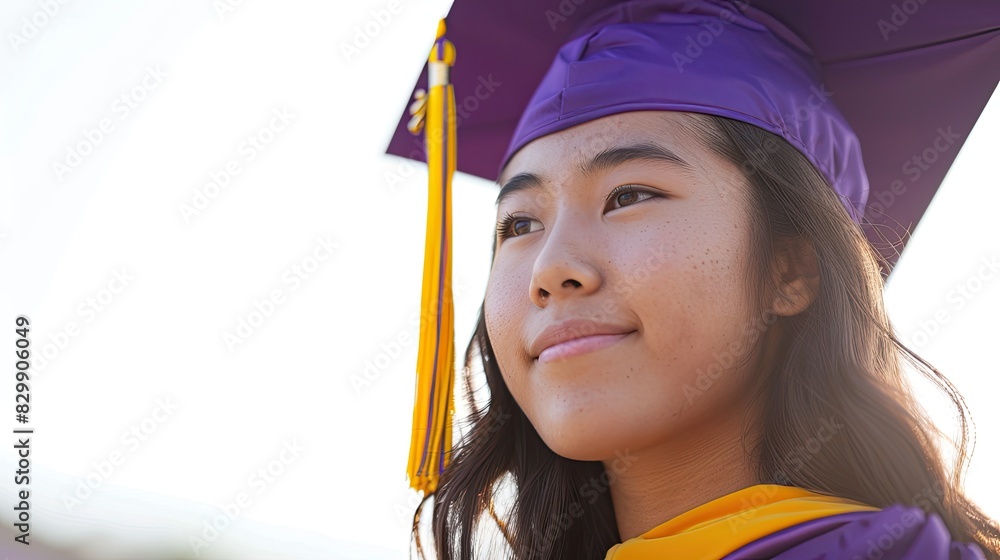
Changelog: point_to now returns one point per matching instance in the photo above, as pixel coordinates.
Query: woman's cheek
(503, 316)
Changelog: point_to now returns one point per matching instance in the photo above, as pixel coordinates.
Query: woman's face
(630, 227)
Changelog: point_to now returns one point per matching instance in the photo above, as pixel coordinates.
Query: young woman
(683, 335)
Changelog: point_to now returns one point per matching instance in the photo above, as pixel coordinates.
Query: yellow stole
(712, 530)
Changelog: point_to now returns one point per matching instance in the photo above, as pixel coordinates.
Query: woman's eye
(512, 226)
(626, 195)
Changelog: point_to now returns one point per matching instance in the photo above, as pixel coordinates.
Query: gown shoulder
(897, 532)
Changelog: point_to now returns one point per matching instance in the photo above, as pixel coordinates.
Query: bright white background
(322, 176)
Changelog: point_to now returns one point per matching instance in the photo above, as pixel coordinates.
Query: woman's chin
(583, 443)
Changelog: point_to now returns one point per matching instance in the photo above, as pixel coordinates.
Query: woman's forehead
(670, 134)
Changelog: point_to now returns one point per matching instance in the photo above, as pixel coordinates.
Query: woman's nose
(565, 266)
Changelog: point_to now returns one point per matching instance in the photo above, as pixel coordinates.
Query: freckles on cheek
(714, 266)
(503, 319)
(507, 287)
(696, 296)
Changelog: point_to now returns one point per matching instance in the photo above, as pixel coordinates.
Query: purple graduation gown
(894, 533)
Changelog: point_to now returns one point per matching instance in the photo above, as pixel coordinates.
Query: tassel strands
(434, 113)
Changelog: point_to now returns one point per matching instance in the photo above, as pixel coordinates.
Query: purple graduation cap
(879, 95)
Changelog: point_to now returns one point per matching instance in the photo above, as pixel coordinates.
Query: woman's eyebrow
(521, 181)
(617, 155)
(605, 160)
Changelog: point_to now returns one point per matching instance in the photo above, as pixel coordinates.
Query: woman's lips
(579, 346)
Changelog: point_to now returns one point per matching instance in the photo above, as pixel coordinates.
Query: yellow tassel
(434, 112)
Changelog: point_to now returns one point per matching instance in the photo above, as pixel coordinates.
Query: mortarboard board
(903, 82)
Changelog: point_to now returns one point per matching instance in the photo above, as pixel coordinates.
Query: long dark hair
(839, 359)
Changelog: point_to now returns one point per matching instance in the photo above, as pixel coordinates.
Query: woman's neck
(662, 482)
